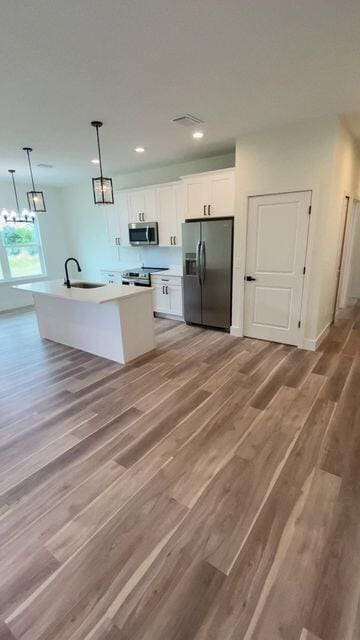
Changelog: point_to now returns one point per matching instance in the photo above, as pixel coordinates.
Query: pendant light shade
(14, 216)
(102, 187)
(35, 198)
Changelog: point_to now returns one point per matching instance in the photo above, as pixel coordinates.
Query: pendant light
(13, 216)
(102, 187)
(35, 198)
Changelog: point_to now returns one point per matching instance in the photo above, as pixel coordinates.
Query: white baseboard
(313, 345)
(236, 331)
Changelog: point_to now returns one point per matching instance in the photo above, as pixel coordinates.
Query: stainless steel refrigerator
(207, 261)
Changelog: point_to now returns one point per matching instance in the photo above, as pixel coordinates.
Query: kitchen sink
(87, 285)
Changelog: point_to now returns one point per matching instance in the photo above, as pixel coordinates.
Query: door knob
(249, 279)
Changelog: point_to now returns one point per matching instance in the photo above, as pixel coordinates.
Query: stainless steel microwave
(143, 233)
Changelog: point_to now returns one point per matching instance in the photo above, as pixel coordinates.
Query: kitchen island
(113, 321)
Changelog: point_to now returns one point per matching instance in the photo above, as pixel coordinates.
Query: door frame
(354, 211)
(346, 204)
(307, 262)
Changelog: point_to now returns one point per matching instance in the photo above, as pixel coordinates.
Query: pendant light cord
(12, 171)
(27, 149)
(98, 144)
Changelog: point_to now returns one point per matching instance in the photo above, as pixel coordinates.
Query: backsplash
(149, 256)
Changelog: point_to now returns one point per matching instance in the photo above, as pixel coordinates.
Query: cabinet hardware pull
(171, 239)
(209, 214)
(204, 209)
(174, 239)
(163, 290)
(167, 291)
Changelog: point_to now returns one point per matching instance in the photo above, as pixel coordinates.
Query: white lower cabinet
(167, 295)
(161, 299)
(176, 301)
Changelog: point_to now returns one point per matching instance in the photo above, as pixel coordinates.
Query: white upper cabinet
(142, 205)
(221, 189)
(210, 194)
(169, 210)
(196, 196)
(117, 219)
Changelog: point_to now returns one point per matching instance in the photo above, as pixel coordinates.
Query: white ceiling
(135, 64)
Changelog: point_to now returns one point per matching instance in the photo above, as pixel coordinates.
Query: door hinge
(309, 210)
(304, 270)
(299, 324)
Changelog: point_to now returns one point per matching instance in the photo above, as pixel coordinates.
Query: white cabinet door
(210, 195)
(161, 299)
(221, 194)
(112, 222)
(180, 212)
(142, 205)
(136, 206)
(167, 215)
(275, 260)
(151, 214)
(176, 302)
(195, 197)
(122, 205)
(117, 219)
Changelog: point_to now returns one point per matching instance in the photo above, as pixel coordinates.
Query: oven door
(140, 282)
(143, 233)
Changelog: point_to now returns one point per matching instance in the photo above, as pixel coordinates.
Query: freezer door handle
(198, 261)
(202, 261)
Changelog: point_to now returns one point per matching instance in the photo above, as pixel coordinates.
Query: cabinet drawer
(111, 277)
(173, 281)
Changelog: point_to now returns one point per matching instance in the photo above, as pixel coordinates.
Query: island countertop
(98, 295)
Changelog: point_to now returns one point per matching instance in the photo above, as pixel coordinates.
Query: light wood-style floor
(208, 491)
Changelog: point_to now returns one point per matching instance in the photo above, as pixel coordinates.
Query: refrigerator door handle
(202, 261)
(198, 262)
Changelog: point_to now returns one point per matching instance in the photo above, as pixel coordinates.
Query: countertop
(100, 295)
(173, 271)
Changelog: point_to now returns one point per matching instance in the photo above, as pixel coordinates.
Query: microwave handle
(147, 234)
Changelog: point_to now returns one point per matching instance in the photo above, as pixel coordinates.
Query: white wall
(86, 225)
(53, 232)
(292, 158)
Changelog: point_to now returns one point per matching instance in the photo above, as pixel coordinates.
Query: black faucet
(67, 280)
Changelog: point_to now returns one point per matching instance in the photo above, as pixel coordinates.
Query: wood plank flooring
(210, 490)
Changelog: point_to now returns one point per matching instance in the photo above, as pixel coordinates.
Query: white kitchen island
(113, 321)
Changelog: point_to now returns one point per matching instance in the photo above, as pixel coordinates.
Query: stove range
(140, 277)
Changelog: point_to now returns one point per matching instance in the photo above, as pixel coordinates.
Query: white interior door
(275, 259)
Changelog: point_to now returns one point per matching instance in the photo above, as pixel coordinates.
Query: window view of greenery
(22, 249)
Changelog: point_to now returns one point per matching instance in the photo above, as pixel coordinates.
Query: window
(21, 254)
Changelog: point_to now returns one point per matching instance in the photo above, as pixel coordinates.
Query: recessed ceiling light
(139, 149)
(198, 135)
(95, 161)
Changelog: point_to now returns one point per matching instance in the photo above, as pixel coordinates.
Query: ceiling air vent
(187, 120)
(43, 165)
